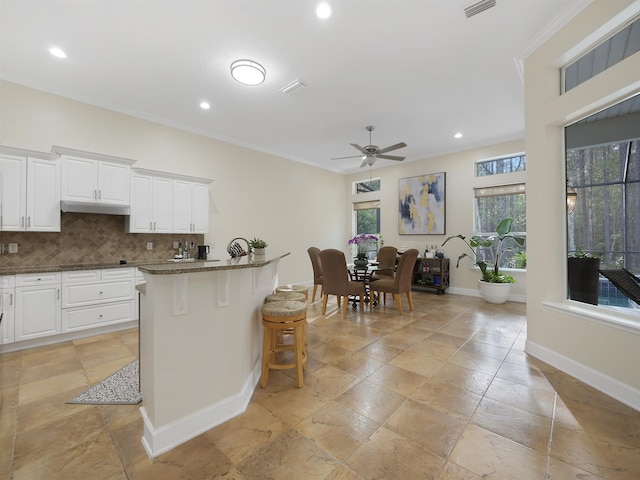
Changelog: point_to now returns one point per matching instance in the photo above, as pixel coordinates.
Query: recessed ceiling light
(323, 10)
(205, 105)
(458, 135)
(57, 52)
(248, 72)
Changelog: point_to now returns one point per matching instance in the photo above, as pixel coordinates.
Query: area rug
(120, 388)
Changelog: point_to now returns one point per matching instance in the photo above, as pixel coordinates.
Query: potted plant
(258, 245)
(583, 277)
(494, 285)
(363, 242)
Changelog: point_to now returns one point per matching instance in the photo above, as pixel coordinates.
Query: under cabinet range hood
(88, 207)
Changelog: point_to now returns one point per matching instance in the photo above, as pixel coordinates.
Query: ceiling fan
(371, 153)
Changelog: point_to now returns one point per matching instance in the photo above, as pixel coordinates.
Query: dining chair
(386, 263)
(401, 283)
(318, 279)
(336, 280)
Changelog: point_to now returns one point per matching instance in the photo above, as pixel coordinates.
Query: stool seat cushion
(284, 309)
(292, 288)
(284, 296)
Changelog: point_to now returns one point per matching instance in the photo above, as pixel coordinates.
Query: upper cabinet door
(141, 218)
(182, 206)
(200, 208)
(29, 194)
(13, 197)
(43, 195)
(113, 183)
(80, 179)
(162, 205)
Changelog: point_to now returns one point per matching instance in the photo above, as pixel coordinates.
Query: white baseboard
(470, 292)
(157, 441)
(620, 391)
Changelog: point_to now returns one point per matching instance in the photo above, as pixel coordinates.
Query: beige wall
(602, 354)
(460, 180)
(291, 205)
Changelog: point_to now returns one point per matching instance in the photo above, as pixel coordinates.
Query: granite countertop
(247, 261)
(92, 266)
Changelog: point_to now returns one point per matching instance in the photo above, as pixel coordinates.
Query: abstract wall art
(421, 203)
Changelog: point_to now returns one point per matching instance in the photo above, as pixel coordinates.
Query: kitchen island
(200, 344)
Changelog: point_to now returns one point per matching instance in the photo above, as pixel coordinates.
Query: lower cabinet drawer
(76, 295)
(81, 318)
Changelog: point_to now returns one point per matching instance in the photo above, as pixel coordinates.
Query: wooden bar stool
(294, 288)
(278, 317)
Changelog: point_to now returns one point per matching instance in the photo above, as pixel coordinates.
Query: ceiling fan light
(248, 72)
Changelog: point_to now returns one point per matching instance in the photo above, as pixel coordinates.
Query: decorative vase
(361, 262)
(494, 292)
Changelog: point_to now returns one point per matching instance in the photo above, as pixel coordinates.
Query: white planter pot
(259, 251)
(494, 292)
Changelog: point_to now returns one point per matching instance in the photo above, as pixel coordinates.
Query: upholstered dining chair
(336, 280)
(401, 283)
(314, 255)
(386, 263)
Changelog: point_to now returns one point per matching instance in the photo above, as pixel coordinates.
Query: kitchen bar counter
(94, 266)
(200, 344)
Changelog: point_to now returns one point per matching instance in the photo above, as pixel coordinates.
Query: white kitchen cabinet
(93, 178)
(93, 298)
(29, 190)
(7, 309)
(190, 207)
(37, 305)
(151, 203)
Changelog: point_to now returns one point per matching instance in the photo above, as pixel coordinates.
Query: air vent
(476, 8)
(293, 86)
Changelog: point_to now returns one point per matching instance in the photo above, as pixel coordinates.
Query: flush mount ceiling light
(205, 105)
(323, 11)
(57, 52)
(458, 135)
(248, 72)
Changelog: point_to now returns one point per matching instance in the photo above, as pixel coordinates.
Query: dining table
(363, 273)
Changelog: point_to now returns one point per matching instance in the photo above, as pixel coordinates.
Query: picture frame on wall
(421, 204)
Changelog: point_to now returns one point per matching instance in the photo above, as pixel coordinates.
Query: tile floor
(444, 392)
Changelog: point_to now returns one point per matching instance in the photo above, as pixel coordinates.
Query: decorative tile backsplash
(89, 238)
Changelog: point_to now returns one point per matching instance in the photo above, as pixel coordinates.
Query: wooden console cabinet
(431, 274)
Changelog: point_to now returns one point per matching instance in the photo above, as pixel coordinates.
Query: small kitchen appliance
(203, 250)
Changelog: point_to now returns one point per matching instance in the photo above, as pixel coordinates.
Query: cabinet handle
(154, 226)
(28, 221)
(95, 194)
(11, 299)
(99, 293)
(150, 225)
(22, 221)
(99, 194)
(58, 294)
(100, 316)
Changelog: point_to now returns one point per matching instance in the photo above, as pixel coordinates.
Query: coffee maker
(203, 250)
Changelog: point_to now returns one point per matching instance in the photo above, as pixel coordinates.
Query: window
(501, 165)
(613, 50)
(367, 220)
(492, 205)
(605, 221)
(367, 186)
(603, 168)
(503, 198)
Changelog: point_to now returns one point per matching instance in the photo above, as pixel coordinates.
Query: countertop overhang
(247, 261)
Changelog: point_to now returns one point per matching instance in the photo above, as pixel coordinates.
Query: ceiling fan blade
(342, 158)
(358, 147)
(391, 157)
(392, 147)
